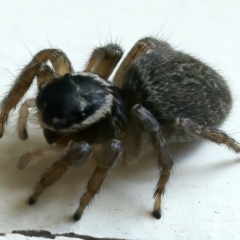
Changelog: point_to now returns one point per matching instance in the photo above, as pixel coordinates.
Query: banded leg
(208, 133)
(164, 158)
(104, 59)
(24, 80)
(77, 155)
(140, 48)
(107, 156)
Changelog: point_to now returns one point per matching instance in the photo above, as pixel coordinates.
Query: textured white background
(202, 197)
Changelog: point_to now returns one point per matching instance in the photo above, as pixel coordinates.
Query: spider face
(73, 102)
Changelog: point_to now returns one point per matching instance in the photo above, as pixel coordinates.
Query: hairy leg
(77, 155)
(164, 158)
(44, 74)
(208, 133)
(22, 118)
(104, 59)
(107, 155)
(39, 153)
(140, 48)
(36, 67)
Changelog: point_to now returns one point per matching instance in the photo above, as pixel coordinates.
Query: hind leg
(139, 48)
(208, 133)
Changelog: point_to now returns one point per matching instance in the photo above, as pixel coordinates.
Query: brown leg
(165, 162)
(164, 158)
(37, 154)
(22, 118)
(20, 87)
(77, 155)
(107, 156)
(140, 48)
(36, 67)
(104, 59)
(208, 133)
(44, 74)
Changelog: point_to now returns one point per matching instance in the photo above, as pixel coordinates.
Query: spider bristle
(49, 42)
(26, 47)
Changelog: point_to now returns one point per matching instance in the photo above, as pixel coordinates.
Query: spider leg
(22, 118)
(104, 59)
(77, 155)
(107, 156)
(140, 48)
(208, 133)
(163, 155)
(38, 153)
(24, 80)
(21, 85)
(44, 74)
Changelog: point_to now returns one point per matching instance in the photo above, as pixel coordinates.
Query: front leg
(107, 155)
(35, 155)
(44, 74)
(36, 67)
(77, 155)
(163, 155)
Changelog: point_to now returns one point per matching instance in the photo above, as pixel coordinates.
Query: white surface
(202, 197)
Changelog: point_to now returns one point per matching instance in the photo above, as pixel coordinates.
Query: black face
(66, 102)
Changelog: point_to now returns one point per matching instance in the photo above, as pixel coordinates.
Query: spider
(157, 96)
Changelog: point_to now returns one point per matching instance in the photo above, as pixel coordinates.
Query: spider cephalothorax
(157, 96)
(73, 102)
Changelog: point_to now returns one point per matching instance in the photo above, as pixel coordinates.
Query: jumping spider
(158, 96)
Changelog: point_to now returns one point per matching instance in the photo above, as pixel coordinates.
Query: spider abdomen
(171, 84)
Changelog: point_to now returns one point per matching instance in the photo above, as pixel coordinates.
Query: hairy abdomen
(173, 84)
